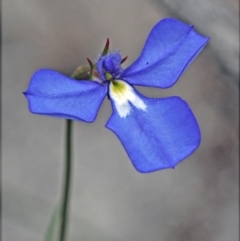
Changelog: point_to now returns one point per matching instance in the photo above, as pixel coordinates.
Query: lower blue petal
(54, 94)
(160, 137)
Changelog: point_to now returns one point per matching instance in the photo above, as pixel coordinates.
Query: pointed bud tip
(124, 59)
(90, 63)
(106, 48)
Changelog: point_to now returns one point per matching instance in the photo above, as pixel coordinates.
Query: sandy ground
(110, 201)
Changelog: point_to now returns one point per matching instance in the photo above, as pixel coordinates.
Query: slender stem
(67, 180)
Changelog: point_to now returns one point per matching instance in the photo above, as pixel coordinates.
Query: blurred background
(110, 200)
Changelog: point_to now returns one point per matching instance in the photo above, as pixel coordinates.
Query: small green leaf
(54, 224)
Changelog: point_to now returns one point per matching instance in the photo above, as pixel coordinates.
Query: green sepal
(83, 72)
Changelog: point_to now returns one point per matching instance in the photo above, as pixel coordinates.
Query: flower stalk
(67, 180)
(78, 74)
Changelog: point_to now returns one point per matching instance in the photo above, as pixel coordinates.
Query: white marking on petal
(122, 93)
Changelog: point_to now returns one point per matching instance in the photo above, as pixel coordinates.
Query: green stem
(82, 72)
(67, 181)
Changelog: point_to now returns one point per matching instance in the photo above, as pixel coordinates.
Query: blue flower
(156, 133)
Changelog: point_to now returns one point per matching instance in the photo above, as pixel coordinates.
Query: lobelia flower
(156, 133)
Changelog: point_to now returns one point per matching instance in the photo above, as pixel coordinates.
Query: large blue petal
(159, 137)
(171, 46)
(54, 94)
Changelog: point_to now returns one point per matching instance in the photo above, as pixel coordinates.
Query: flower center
(109, 66)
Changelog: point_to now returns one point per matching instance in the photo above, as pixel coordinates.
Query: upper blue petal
(52, 93)
(160, 137)
(171, 46)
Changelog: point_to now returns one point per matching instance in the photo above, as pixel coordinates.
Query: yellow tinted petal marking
(121, 94)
